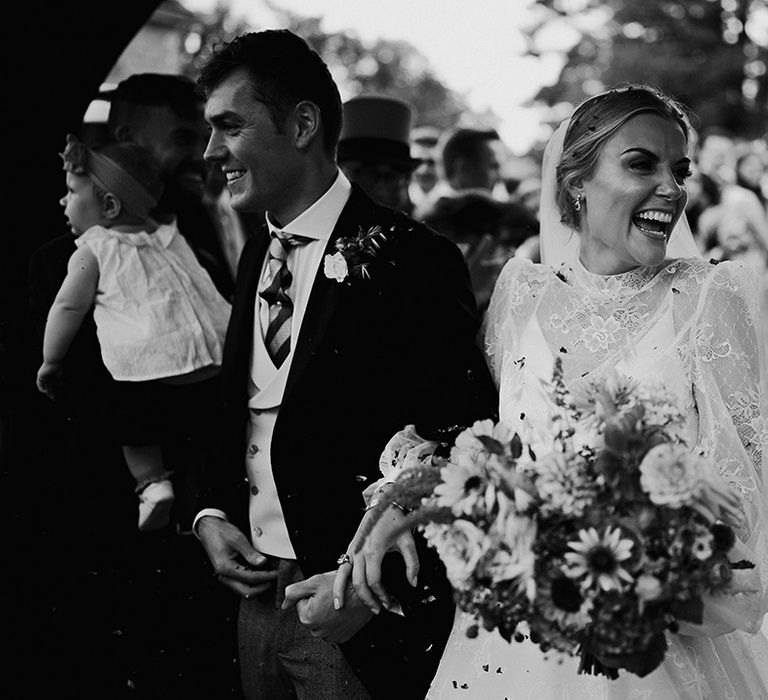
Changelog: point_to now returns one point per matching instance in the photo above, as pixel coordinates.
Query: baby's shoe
(155, 503)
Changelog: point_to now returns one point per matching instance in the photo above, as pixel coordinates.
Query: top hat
(376, 128)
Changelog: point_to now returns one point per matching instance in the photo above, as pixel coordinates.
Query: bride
(622, 287)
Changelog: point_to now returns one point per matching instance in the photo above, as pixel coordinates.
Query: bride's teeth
(661, 216)
(234, 174)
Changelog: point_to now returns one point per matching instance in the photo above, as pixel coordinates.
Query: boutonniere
(354, 255)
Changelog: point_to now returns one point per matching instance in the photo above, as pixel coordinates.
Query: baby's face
(82, 207)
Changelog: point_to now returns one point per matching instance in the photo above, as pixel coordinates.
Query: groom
(349, 321)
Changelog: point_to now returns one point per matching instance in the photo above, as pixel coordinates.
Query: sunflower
(462, 488)
(561, 601)
(597, 560)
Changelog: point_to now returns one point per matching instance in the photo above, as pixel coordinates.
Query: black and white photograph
(405, 350)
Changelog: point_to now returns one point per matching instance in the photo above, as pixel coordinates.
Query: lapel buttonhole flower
(335, 267)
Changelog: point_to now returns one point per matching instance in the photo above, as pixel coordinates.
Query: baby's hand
(49, 379)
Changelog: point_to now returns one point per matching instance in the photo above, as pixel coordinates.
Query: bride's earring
(577, 202)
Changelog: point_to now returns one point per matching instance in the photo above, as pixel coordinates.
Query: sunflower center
(601, 560)
(565, 594)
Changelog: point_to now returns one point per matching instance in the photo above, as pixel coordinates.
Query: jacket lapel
(237, 348)
(326, 293)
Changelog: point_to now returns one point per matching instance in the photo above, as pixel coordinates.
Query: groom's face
(259, 159)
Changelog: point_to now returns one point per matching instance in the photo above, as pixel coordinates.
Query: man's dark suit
(371, 357)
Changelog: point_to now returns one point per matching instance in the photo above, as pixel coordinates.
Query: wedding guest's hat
(377, 128)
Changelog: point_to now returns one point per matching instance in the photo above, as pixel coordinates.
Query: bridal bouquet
(593, 547)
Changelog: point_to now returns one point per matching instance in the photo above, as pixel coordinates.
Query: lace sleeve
(730, 384)
(508, 309)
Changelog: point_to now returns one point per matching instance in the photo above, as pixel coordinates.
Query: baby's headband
(109, 176)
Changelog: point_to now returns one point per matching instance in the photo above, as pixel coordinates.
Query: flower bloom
(335, 267)
(515, 560)
(460, 546)
(671, 475)
(562, 484)
(598, 559)
(464, 485)
(702, 547)
(467, 441)
(648, 588)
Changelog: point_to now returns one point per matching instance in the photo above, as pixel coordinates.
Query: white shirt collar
(319, 219)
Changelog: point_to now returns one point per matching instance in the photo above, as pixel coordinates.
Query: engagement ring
(344, 559)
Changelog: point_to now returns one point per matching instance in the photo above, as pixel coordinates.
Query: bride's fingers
(373, 576)
(340, 585)
(722, 498)
(705, 511)
(407, 547)
(360, 582)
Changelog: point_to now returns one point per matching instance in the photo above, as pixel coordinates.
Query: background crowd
(144, 607)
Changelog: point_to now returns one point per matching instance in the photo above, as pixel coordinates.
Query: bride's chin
(650, 249)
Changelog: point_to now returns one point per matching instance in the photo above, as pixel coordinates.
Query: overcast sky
(474, 47)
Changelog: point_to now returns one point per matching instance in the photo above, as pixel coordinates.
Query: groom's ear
(308, 123)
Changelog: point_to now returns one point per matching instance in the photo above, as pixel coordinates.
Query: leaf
(515, 446)
(642, 663)
(691, 610)
(492, 445)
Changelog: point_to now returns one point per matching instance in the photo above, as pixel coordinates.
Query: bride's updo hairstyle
(593, 123)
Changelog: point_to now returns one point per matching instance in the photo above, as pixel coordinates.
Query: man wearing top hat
(374, 149)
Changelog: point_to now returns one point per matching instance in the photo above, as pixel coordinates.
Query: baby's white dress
(157, 312)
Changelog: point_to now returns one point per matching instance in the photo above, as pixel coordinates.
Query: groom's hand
(236, 563)
(313, 599)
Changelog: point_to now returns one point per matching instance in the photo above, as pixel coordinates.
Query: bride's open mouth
(653, 223)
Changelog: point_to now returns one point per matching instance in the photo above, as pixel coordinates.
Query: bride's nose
(668, 186)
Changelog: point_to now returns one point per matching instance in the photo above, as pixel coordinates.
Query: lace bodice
(688, 324)
(693, 327)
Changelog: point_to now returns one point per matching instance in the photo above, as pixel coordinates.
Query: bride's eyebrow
(684, 160)
(638, 149)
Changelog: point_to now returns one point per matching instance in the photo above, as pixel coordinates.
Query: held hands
(366, 554)
(313, 601)
(49, 379)
(235, 562)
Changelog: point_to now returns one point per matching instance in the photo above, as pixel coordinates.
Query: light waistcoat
(269, 533)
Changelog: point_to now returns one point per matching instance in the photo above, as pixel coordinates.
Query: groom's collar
(319, 219)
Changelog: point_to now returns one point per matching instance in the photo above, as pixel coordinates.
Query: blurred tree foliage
(386, 67)
(710, 54)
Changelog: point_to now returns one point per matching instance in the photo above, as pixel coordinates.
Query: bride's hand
(718, 501)
(366, 554)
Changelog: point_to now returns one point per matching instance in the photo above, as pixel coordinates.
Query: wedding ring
(344, 559)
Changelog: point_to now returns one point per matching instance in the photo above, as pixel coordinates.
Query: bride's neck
(602, 260)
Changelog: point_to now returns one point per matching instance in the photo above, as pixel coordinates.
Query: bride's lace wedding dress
(689, 325)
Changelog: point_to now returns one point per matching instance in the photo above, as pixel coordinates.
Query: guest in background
(752, 174)
(164, 114)
(374, 151)
(486, 230)
(717, 159)
(424, 140)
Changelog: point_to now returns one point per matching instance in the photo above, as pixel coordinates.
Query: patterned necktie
(278, 336)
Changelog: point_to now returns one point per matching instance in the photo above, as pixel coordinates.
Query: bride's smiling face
(635, 197)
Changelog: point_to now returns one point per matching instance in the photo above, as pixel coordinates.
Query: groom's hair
(594, 122)
(284, 71)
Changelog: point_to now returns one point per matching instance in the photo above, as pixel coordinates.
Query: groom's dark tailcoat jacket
(372, 356)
